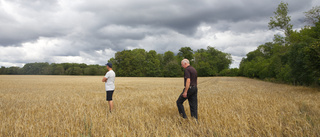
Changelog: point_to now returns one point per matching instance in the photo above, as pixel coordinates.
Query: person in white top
(109, 79)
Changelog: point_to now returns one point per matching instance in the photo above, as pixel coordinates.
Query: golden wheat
(76, 106)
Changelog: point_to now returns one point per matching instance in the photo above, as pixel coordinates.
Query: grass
(76, 106)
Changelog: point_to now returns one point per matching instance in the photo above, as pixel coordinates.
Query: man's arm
(186, 88)
(104, 79)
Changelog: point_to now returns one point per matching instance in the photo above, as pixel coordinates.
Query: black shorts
(109, 95)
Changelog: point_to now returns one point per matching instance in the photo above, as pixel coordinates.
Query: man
(109, 79)
(190, 91)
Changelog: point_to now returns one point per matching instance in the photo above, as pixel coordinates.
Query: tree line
(137, 63)
(293, 58)
(44, 68)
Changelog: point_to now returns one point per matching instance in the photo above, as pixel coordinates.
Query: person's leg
(180, 106)
(193, 103)
(109, 99)
(110, 105)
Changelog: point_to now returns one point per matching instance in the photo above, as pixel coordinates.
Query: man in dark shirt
(190, 91)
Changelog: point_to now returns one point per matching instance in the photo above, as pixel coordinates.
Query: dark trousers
(193, 102)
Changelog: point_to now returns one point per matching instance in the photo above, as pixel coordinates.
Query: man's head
(109, 66)
(185, 63)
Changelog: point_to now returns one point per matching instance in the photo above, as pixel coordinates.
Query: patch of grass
(76, 106)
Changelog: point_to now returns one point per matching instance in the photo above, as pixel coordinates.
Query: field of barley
(76, 106)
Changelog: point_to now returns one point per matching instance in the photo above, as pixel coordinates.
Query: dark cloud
(82, 31)
(183, 16)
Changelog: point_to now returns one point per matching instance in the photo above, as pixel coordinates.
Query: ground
(76, 106)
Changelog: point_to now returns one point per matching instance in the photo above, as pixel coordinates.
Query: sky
(91, 32)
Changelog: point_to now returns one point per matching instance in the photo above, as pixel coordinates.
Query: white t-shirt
(110, 75)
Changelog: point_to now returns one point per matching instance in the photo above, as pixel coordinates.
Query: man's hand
(104, 79)
(184, 94)
(186, 88)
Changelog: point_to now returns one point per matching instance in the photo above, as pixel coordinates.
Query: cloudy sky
(91, 32)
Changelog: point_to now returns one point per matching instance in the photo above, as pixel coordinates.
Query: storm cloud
(57, 31)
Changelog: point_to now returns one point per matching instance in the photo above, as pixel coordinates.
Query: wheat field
(76, 106)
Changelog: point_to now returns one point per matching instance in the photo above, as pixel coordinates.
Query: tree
(313, 15)
(219, 59)
(91, 70)
(37, 68)
(172, 69)
(74, 71)
(230, 72)
(57, 69)
(211, 61)
(275, 66)
(152, 64)
(138, 63)
(122, 63)
(171, 66)
(313, 60)
(3, 70)
(168, 56)
(300, 71)
(186, 52)
(285, 74)
(281, 20)
(278, 39)
(297, 63)
(160, 58)
(12, 70)
(103, 70)
(205, 69)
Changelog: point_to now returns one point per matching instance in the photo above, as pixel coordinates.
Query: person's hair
(185, 61)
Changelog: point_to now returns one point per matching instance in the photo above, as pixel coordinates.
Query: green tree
(91, 70)
(205, 69)
(12, 70)
(122, 63)
(168, 56)
(138, 63)
(66, 66)
(211, 61)
(313, 57)
(254, 54)
(313, 60)
(37, 68)
(300, 71)
(152, 64)
(279, 40)
(160, 58)
(230, 72)
(285, 74)
(296, 63)
(57, 69)
(281, 20)
(172, 69)
(186, 52)
(103, 70)
(76, 70)
(219, 59)
(3, 70)
(275, 66)
(304, 55)
(171, 66)
(313, 15)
